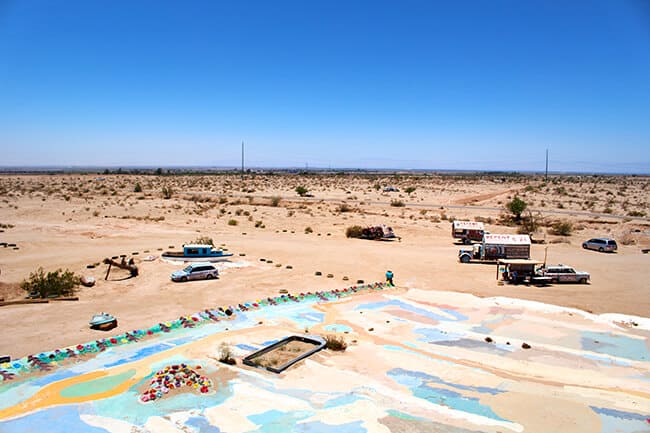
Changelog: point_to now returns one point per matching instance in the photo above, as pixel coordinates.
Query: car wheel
(584, 246)
(601, 249)
(208, 277)
(183, 279)
(464, 259)
(583, 281)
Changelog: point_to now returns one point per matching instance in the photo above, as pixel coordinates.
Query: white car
(565, 274)
(196, 271)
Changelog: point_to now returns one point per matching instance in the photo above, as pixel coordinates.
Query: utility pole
(546, 175)
(242, 160)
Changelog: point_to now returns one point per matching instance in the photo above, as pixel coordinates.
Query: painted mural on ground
(417, 361)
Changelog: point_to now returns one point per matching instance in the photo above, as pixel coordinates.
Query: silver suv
(196, 271)
(600, 244)
(564, 274)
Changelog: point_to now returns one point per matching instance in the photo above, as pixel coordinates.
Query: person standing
(389, 277)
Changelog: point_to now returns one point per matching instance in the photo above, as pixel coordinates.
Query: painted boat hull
(179, 257)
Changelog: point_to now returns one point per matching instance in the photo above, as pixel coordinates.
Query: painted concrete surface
(417, 361)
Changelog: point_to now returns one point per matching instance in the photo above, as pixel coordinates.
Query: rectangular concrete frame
(316, 340)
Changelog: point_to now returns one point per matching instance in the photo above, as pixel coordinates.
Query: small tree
(138, 187)
(301, 190)
(409, 190)
(56, 283)
(517, 206)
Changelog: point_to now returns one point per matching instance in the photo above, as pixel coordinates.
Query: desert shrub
(137, 188)
(275, 201)
(259, 224)
(332, 342)
(530, 223)
(562, 228)
(225, 354)
(232, 222)
(397, 203)
(636, 213)
(608, 210)
(56, 283)
(354, 232)
(343, 207)
(167, 192)
(410, 189)
(516, 207)
(301, 190)
(203, 240)
(480, 219)
(308, 230)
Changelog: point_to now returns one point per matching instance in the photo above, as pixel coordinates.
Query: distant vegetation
(138, 187)
(167, 192)
(52, 284)
(562, 228)
(517, 206)
(397, 203)
(301, 190)
(203, 240)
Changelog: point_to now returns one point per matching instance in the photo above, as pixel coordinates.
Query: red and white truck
(497, 246)
(467, 231)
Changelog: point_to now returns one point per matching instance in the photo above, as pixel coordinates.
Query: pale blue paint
(202, 425)
(59, 419)
(420, 385)
(320, 427)
(622, 422)
(337, 327)
(615, 345)
(343, 400)
(412, 309)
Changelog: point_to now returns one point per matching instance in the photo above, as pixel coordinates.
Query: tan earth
(72, 221)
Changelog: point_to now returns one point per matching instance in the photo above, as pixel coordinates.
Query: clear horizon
(471, 86)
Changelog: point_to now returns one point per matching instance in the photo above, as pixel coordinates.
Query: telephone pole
(546, 174)
(242, 160)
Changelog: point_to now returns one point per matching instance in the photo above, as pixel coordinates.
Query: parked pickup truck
(497, 246)
(564, 274)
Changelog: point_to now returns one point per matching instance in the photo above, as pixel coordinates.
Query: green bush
(410, 189)
(137, 188)
(517, 206)
(354, 232)
(301, 190)
(232, 222)
(397, 203)
(275, 201)
(54, 284)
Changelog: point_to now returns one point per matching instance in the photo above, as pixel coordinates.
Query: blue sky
(369, 84)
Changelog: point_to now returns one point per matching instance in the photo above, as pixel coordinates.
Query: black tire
(183, 279)
(601, 249)
(209, 277)
(583, 281)
(464, 259)
(584, 246)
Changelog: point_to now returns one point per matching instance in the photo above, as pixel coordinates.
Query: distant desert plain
(283, 240)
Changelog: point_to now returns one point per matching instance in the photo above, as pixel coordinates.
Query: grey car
(196, 271)
(600, 244)
(564, 274)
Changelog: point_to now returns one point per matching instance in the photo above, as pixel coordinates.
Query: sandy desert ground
(74, 220)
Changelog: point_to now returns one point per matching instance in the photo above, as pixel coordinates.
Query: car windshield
(188, 269)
